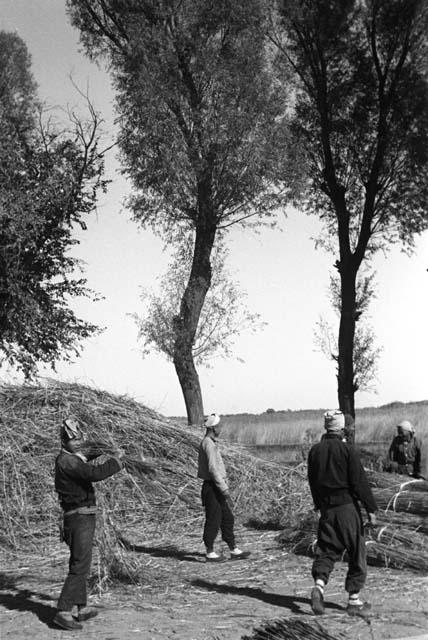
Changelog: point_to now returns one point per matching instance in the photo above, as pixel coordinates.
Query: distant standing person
(338, 481)
(404, 455)
(215, 494)
(73, 482)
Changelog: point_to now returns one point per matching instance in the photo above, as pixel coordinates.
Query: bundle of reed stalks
(396, 556)
(94, 450)
(404, 520)
(291, 629)
(395, 482)
(409, 501)
(395, 492)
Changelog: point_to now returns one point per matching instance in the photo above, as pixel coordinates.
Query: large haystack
(131, 505)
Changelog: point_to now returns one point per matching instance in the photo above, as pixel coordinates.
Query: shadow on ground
(169, 551)
(27, 600)
(276, 599)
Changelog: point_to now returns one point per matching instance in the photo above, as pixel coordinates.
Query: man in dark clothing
(404, 454)
(73, 482)
(338, 481)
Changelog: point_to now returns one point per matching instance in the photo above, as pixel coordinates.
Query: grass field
(373, 424)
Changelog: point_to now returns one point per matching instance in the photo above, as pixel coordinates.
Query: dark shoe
(362, 610)
(86, 613)
(65, 620)
(317, 601)
(237, 554)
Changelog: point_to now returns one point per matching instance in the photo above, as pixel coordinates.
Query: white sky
(285, 277)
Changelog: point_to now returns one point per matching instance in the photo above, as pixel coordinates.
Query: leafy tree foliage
(223, 316)
(366, 354)
(202, 128)
(48, 182)
(361, 113)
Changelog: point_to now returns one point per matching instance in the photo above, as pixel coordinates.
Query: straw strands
(399, 493)
(133, 505)
(291, 629)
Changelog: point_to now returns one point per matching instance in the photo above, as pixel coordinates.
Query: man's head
(212, 421)
(72, 435)
(405, 429)
(334, 421)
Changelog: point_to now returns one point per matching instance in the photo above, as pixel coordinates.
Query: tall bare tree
(202, 128)
(361, 112)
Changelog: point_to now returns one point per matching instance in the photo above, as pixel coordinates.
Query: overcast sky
(285, 278)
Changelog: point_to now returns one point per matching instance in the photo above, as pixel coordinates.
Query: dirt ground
(184, 598)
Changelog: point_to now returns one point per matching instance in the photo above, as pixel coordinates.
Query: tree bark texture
(186, 323)
(345, 374)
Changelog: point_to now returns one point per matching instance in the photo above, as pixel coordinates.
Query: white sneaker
(212, 556)
(237, 554)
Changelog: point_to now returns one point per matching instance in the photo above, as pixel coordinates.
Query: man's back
(336, 475)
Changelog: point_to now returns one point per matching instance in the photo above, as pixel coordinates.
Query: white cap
(334, 420)
(405, 425)
(212, 420)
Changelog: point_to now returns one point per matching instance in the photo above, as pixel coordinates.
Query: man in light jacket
(215, 494)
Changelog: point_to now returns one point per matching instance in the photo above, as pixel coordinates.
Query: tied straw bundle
(136, 466)
(291, 629)
(399, 493)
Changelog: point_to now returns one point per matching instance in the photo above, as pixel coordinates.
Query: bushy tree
(366, 353)
(223, 316)
(202, 128)
(48, 182)
(361, 114)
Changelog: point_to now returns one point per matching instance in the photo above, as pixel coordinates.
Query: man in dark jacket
(74, 476)
(338, 481)
(404, 454)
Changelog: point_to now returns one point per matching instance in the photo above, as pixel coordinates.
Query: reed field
(373, 424)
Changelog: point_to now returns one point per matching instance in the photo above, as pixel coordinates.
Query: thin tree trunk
(190, 386)
(345, 375)
(186, 324)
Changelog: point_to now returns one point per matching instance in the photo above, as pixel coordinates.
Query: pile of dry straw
(132, 505)
(135, 506)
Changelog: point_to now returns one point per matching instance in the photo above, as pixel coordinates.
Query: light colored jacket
(211, 465)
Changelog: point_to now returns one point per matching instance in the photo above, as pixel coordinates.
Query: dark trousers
(79, 530)
(218, 516)
(340, 529)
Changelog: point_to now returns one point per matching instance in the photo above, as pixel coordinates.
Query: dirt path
(184, 598)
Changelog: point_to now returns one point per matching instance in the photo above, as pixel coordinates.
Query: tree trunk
(190, 386)
(186, 324)
(345, 374)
